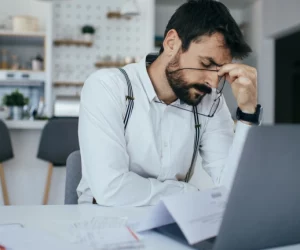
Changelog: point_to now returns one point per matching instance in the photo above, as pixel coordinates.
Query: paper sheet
(28, 239)
(10, 226)
(198, 214)
(105, 233)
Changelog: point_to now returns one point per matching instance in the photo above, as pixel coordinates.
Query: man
(151, 144)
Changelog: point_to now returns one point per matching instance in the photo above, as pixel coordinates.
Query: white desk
(57, 219)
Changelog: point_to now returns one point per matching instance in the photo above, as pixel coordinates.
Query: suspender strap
(130, 105)
(196, 143)
(129, 98)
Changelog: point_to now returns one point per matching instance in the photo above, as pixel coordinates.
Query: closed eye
(206, 65)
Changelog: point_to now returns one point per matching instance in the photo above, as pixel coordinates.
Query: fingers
(244, 91)
(234, 71)
(226, 68)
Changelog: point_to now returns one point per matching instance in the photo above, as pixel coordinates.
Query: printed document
(198, 214)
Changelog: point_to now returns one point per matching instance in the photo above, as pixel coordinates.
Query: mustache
(202, 87)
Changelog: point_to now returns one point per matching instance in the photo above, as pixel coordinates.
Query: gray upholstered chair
(6, 153)
(73, 178)
(59, 139)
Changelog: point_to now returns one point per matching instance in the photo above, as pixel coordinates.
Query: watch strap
(253, 118)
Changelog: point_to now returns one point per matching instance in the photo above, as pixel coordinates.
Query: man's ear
(172, 43)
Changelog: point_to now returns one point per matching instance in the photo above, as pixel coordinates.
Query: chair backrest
(59, 139)
(73, 177)
(6, 151)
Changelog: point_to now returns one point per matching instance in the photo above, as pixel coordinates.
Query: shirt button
(166, 144)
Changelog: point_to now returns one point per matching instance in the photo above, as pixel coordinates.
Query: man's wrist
(248, 110)
(248, 116)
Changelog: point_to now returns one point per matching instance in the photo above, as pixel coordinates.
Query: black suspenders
(129, 98)
(129, 109)
(196, 143)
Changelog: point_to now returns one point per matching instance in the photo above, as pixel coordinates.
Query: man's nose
(213, 81)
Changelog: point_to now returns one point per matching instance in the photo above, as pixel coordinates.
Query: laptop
(263, 208)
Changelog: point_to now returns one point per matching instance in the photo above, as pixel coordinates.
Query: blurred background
(48, 49)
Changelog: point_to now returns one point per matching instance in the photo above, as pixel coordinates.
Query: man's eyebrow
(211, 60)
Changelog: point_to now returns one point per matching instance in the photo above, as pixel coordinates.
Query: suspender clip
(129, 97)
(198, 126)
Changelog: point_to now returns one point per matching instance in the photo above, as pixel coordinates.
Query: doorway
(287, 79)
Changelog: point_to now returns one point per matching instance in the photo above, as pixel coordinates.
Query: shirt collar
(145, 79)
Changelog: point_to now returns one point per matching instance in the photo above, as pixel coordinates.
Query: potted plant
(88, 32)
(15, 101)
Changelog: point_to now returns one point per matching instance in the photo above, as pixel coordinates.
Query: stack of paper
(105, 233)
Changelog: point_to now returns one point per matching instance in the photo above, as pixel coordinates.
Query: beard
(182, 88)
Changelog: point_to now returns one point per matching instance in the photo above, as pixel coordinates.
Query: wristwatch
(255, 118)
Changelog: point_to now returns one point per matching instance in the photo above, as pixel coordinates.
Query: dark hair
(196, 18)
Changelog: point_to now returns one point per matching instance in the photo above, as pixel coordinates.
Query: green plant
(15, 99)
(88, 29)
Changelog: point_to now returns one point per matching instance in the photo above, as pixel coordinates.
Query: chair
(73, 178)
(59, 139)
(6, 153)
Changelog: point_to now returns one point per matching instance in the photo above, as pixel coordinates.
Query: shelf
(25, 124)
(22, 78)
(22, 34)
(72, 42)
(68, 84)
(22, 71)
(21, 83)
(109, 64)
(117, 15)
(24, 38)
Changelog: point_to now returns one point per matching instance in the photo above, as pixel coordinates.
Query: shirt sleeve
(105, 160)
(221, 147)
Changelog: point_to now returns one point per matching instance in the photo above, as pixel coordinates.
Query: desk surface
(57, 219)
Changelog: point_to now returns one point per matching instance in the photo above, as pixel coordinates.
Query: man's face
(191, 85)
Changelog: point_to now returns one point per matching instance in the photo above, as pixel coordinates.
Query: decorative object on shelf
(109, 64)
(4, 59)
(41, 107)
(15, 64)
(37, 63)
(25, 24)
(15, 101)
(72, 42)
(4, 112)
(88, 32)
(68, 84)
(129, 9)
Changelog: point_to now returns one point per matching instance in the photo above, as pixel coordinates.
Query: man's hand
(243, 81)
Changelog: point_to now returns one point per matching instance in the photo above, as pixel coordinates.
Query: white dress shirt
(153, 157)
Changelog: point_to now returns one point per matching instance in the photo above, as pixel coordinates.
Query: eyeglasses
(215, 95)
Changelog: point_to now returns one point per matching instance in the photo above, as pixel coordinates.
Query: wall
(25, 7)
(117, 38)
(280, 17)
(270, 19)
(287, 72)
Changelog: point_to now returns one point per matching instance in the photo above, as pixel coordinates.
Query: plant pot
(88, 37)
(16, 112)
